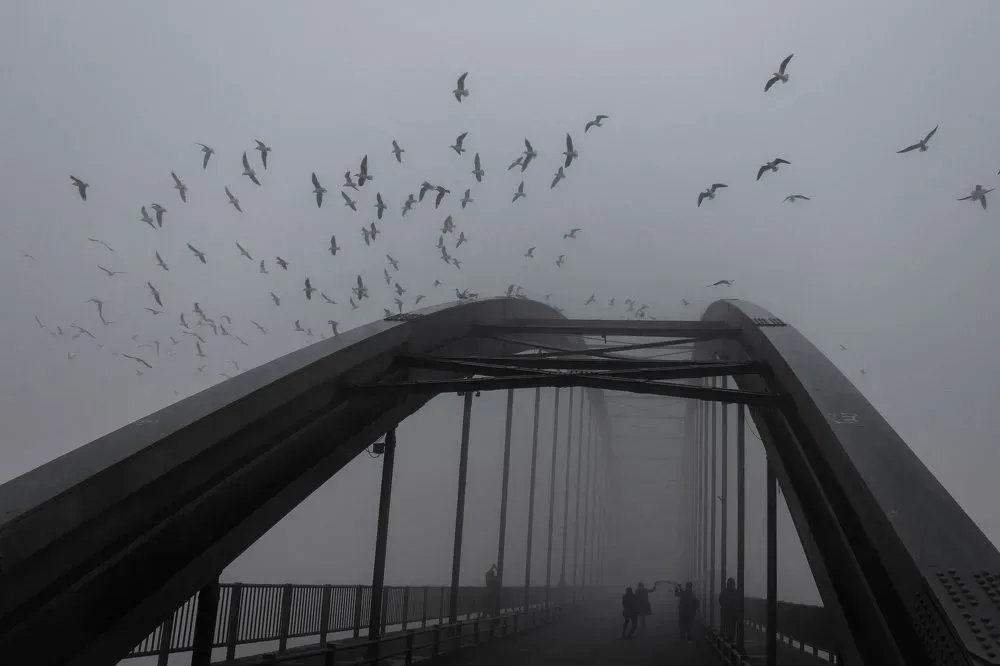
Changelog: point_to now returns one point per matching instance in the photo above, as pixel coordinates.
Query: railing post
(441, 607)
(204, 624)
(375, 623)
(330, 656)
(423, 607)
(385, 615)
(463, 468)
(406, 606)
(358, 592)
(741, 489)
(324, 614)
(565, 522)
(286, 617)
(436, 645)
(772, 565)
(166, 635)
(724, 494)
(552, 496)
(408, 659)
(531, 501)
(586, 498)
(705, 504)
(233, 630)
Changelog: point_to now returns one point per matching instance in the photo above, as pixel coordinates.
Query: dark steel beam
(615, 349)
(741, 491)
(714, 508)
(504, 484)
(771, 484)
(622, 328)
(463, 468)
(552, 497)
(724, 497)
(382, 536)
(569, 457)
(204, 624)
(564, 380)
(531, 501)
(499, 364)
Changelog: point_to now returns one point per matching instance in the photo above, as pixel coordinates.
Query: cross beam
(588, 380)
(484, 365)
(701, 330)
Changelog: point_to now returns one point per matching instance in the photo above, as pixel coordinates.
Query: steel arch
(907, 576)
(101, 544)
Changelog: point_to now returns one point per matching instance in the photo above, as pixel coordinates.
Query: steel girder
(99, 545)
(906, 576)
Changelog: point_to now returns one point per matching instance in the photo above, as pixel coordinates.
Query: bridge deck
(593, 637)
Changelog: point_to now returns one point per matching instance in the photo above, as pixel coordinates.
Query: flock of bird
(192, 322)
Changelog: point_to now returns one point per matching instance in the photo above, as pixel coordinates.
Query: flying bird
(721, 283)
(572, 233)
(460, 90)
(425, 187)
(146, 218)
(233, 200)
(110, 272)
(461, 239)
(570, 152)
(530, 254)
(309, 289)
(560, 260)
(277, 301)
(327, 298)
(243, 251)
(379, 205)
(792, 198)
(264, 150)
(362, 175)
(592, 299)
(560, 174)
(780, 75)
(596, 122)
(477, 171)
(248, 170)
(259, 327)
(420, 297)
(318, 190)
(519, 193)
(100, 310)
(920, 145)
(180, 187)
(529, 154)
(198, 253)
(159, 210)
(348, 182)
(97, 240)
(397, 151)
(361, 291)
(467, 198)
(978, 194)
(138, 359)
(457, 147)
(408, 204)
(200, 353)
(334, 248)
(441, 190)
(281, 262)
(771, 166)
(333, 326)
(80, 186)
(263, 268)
(516, 163)
(710, 192)
(208, 153)
(81, 331)
(349, 202)
(399, 289)
(392, 262)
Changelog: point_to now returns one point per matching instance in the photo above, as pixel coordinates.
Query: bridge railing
(802, 623)
(262, 612)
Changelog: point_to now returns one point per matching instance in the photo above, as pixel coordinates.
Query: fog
(882, 260)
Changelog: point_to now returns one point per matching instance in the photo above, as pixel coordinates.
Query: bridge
(113, 551)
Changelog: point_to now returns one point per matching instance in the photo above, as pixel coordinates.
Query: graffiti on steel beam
(768, 321)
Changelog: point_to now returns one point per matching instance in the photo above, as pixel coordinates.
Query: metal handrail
(454, 633)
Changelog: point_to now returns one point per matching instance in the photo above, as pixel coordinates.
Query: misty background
(882, 260)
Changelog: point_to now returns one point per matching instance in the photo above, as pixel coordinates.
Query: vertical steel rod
(463, 468)
(579, 478)
(772, 566)
(552, 496)
(531, 501)
(382, 536)
(705, 495)
(724, 518)
(695, 528)
(741, 490)
(505, 484)
(586, 493)
(565, 522)
(710, 602)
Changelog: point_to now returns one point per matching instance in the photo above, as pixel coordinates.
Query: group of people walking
(636, 606)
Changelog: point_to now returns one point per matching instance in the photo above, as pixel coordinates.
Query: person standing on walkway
(642, 602)
(729, 604)
(629, 611)
(492, 588)
(687, 608)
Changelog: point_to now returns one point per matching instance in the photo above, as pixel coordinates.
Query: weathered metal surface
(704, 329)
(100, 544)
(903, 532)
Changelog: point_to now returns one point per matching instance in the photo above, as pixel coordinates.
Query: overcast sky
(883, 259)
